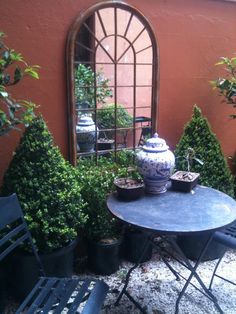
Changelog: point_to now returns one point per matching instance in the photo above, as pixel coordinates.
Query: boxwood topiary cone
(215, 172)
(47, 188)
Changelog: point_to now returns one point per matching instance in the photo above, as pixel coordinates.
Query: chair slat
(43, 292)
(13, 246)
(96, 298)
(29, 297)
(10, 210)
(79, 297)
(71, 284)
(12, 234)
(52, 300)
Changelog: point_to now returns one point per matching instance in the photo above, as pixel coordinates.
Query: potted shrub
(50, 196)
(185, 181)
(134, 240)
(107, 119)
(102, 231)
(214, 172)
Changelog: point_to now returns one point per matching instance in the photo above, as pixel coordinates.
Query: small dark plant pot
(192, 246)
(184, 181)
(129, 189)
(104, 257)
(24, 270)
(105, 144)
(134, 242)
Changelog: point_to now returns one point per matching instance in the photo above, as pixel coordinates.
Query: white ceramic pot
(86, 132)
(156, 164)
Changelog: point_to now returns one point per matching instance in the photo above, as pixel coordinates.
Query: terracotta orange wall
(191, 34)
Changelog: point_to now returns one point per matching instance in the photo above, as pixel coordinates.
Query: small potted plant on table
(185, 181)
(131, 187)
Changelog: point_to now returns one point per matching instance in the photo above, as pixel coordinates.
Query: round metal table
(204, 210)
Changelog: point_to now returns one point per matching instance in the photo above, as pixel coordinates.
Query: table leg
(193, 273)
(124, 291)
(159, 250)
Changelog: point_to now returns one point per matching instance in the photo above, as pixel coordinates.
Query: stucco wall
(191, 34)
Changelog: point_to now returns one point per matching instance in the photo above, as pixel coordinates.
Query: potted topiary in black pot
(49, 193)
(134, 241)
(102, 231)
(214, 173)
(185, 181)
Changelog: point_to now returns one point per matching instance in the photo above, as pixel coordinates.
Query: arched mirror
(112, 80)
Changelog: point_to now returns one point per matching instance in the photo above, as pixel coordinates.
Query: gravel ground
(155, 287)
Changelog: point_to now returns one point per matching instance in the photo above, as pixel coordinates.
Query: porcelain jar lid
(155, 144)
(85, 120)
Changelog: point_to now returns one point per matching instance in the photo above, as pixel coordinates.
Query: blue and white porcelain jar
(155, 163)
(86, 132)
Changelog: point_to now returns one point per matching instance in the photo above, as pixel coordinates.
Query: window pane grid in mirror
(113, 80)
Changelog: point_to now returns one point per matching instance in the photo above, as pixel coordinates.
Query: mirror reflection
(114, 88)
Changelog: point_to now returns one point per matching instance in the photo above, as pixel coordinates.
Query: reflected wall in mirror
(112, 80)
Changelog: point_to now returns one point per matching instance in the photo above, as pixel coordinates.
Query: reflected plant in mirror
(90, 87)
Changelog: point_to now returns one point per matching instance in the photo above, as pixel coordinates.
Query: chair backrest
(13, 228)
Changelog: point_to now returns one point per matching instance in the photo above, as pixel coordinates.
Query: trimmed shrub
(47, 188)
(97, 184)
(198, 135)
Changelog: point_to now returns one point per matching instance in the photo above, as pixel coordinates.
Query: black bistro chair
(49, 294)
(226, 237)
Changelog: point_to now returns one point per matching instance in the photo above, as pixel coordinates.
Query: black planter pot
(104, 258)
(134, 243)
(192, 246)
(23, 269)
(128, 192)
(178, 182)
(3, 284)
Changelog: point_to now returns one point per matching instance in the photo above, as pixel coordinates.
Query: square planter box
(184, 181)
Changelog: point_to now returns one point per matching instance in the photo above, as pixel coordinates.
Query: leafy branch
(227, 86)
(13, 68)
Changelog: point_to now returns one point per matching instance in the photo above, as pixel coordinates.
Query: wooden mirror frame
(70, 49)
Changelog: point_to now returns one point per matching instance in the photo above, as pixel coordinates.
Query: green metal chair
(52, 295)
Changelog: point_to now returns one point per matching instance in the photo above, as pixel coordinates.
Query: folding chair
(226, 237)
(54, 295)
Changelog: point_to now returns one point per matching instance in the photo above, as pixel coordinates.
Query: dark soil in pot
(134, 242)
(184, 181)
(104, 257)
(192, 246)
(129, 189)
(23, 269)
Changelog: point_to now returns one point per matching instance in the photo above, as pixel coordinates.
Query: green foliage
(106, 117)
(97, 184)
(85, 80)
(13, 69)
(198, 135)
(47, 187)
(227, 86)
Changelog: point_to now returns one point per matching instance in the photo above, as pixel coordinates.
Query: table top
(202, 210)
